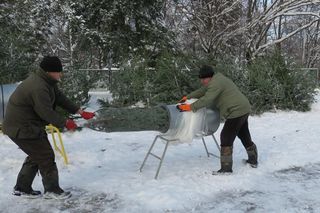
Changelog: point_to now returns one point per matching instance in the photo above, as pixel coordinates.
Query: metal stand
(205, 146)
(165, 150)
(62, 151)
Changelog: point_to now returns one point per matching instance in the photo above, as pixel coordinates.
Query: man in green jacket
(220, 92)
(30, 108)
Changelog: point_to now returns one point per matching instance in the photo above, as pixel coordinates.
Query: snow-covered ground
(104, 176)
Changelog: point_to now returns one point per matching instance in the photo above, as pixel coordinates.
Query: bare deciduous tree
(245, 29)
(273, 15)
(211, 23)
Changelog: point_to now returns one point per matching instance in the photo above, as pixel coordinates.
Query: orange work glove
(87, 115)
(71, 125)
(184, 107)
(184, 99)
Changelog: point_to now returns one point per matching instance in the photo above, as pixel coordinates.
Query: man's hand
(87, 115)
(183, 99)
(184, 107)
(71, 125)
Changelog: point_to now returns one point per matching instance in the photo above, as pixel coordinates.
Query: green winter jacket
(223, 94)
(32, 106)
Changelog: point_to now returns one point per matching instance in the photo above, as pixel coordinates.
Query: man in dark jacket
(220, 92)
(30, 108)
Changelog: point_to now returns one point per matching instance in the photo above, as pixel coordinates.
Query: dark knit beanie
(51, 64)
(206, 71)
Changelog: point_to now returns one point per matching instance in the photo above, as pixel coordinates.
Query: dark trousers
(236, 127)
(40, 157)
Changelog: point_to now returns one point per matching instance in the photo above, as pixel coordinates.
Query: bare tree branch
(283, 38)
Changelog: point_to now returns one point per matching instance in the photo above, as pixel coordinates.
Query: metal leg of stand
(156, 156)
(148, 153)
(206, 148)
(161, 159)
(215, 140)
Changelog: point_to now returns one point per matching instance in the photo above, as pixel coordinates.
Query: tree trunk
(312, 59)
(278, 46)
(304, 47)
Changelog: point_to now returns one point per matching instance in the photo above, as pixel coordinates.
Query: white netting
(187, 126)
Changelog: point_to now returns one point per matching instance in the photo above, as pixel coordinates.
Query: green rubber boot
(225, 160)
(252, 156)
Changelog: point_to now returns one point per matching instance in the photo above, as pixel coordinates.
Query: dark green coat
(223, 94)
(32, 106)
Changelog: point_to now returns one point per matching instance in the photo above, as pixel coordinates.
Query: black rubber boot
(50, 180)
(252, 156)
(26, 176)
(29, 194)
(225, 160)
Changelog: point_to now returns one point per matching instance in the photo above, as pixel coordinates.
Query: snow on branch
(283, 38)
(258, 27)
(297, 14)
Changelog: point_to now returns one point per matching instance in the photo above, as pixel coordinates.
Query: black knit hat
(51, 64)
(206, 71)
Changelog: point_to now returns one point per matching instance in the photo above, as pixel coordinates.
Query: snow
(98, 94)
(104, 176)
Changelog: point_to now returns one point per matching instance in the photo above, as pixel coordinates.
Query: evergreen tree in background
(20, 40)
(159, 46)
(119, 30)
(171, 76)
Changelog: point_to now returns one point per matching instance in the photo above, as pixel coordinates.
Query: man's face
(55, 75)
(205, 81)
